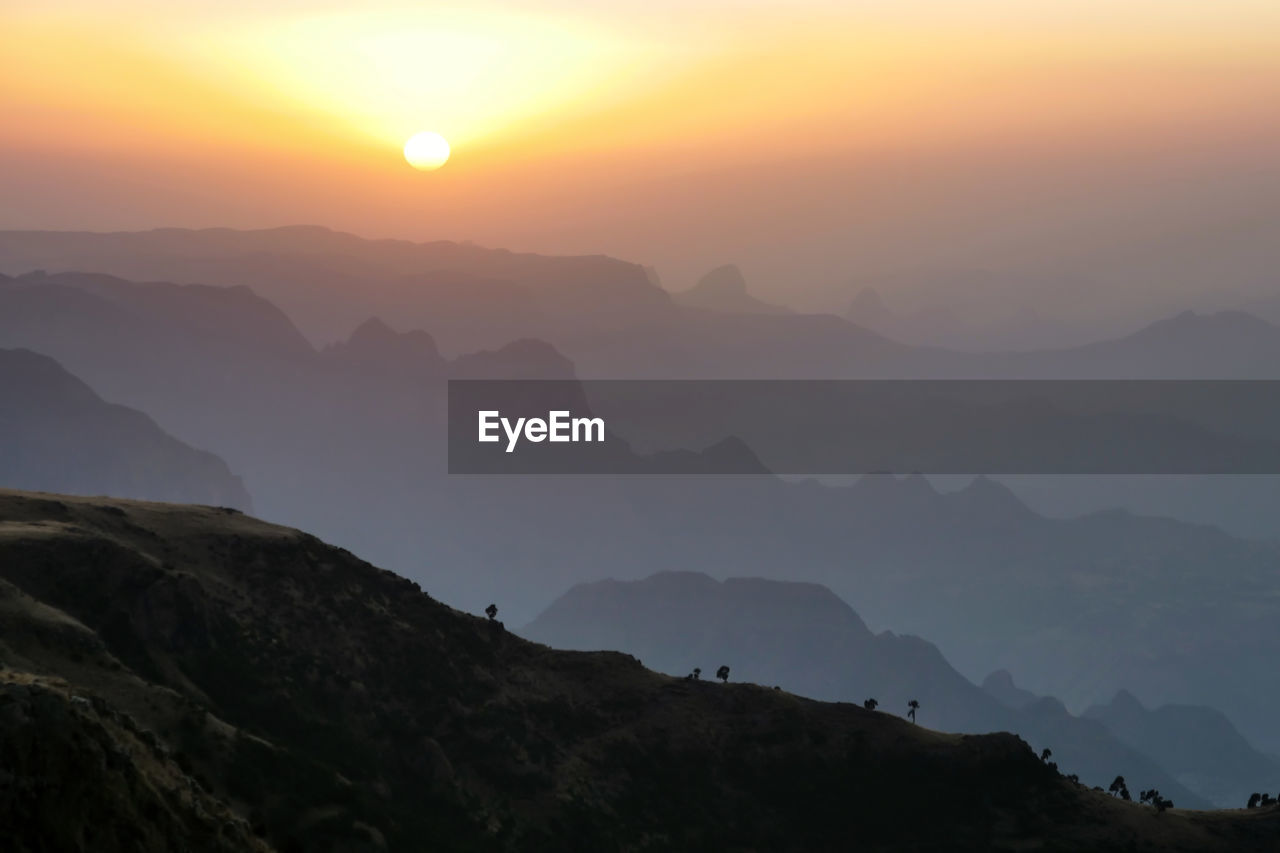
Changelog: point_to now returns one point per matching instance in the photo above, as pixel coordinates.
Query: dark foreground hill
(181, 677)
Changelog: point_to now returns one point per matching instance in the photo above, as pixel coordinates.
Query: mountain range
(608, 316)
(348, 441)
(1199, 745)
(803, 637)
(199, 679)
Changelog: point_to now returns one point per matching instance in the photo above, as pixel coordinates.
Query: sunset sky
(806, 140)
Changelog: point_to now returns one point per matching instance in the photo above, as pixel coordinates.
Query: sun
(426, 151)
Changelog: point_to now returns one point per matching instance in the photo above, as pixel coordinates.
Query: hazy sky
(813, 142)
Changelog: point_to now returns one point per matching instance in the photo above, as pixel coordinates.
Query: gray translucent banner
(828, 427)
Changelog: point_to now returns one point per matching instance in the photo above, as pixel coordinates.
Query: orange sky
(762, 132)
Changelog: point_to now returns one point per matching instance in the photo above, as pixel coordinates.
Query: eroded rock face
(76, 774)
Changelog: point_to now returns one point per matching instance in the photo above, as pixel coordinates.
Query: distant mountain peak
(375, 345)
(372, 329)
(1001, 678)
(733, 454)
(725, 289)
(984, 485)
(991, 496)
(604, 614)
(1001, 687)
(867, 303)
(526, 358)
(374, 332)
(1126, 701)
(724, 280)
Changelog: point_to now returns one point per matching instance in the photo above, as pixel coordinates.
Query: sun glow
(426, 151)
(469, 74)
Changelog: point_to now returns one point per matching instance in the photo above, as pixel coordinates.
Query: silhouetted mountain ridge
(804, 638)
(295, 688)
(995, 585)
(608, 316)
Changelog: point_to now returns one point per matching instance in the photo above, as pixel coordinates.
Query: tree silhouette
(1120, 789)
(1153, 797)
(723, 674)
(1254, 799)
(870, 704)
(1045, 754)
(912, 707)
(697, 673)
(491, 611)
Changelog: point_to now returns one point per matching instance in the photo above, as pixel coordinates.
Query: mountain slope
(611, 318)
(341, 708)
(804, 638)
(118, 788)
(1199, 745)
(59, 435)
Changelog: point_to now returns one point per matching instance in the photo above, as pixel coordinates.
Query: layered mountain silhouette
(1197, 744)
(1077, 608)
(609, 317)
(211, 680)
(329, 282)
(203, 679)
(804, 638)
(57, 434)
